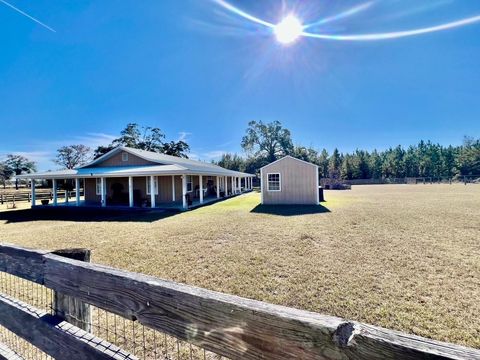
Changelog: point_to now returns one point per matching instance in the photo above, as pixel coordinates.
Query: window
(124, 156)
(155, 184)
(274, 182)
(189, 183)
(98, 186)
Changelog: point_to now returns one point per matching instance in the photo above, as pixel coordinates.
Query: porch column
(152, 191)
(233, 185)
(184, 191)
(32, 186)
(103, 192)
(201, 188)
(218, 187)
(173, 187)
(66, 190)
(77, 191)
(54, 186)
(225, 185)
(130, 191)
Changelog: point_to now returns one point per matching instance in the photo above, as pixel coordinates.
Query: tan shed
(289, 181)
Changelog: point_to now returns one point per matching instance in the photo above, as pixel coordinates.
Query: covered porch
(175, 192)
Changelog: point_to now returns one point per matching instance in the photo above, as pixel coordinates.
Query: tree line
(267, 142)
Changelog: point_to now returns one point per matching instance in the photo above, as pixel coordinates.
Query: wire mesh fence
(334, 183)
(134, 338)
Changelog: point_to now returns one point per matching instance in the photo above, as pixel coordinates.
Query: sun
(288, 30)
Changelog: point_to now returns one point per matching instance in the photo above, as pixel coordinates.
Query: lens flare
(395, 34)
(242, 13)
(350, 12)
(288, 30)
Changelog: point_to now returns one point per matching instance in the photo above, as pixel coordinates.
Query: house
(289, 181)
(137, 178)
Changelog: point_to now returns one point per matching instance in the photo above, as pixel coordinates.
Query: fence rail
(23, 196)
(228, 325)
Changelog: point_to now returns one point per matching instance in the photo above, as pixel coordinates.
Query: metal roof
(168, 165)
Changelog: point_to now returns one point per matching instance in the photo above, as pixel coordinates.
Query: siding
(116, 160)
(139, 183)
(90, 191)
(298, 183)
(165, 189)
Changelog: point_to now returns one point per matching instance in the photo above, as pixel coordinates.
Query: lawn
(405, 257)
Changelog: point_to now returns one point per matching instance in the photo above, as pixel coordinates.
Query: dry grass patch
(405, 257)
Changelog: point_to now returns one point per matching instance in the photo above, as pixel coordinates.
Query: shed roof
(288, 157)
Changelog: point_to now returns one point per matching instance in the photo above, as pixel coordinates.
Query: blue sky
(200, 73)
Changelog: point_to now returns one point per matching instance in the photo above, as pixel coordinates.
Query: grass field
(405, 257)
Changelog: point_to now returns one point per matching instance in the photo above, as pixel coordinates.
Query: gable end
(123, 158)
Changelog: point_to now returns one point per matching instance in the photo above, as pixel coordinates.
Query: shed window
(98, 187)
(124, 156)
(155, 184)
(274, 182)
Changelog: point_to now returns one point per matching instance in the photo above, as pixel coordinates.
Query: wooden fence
(228, 325)
(26, 196)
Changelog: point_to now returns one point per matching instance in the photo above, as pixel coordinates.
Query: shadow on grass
(290, 210)
(83, 215)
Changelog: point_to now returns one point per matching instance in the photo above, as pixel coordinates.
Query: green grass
(405, 257)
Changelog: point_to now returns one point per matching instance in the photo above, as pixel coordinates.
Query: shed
(289, 181)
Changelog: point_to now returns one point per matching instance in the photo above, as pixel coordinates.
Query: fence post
(70, 309)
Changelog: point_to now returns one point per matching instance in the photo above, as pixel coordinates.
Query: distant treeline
(425, 159)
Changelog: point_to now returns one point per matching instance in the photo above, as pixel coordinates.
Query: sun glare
(291, 28)
(288, 30)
